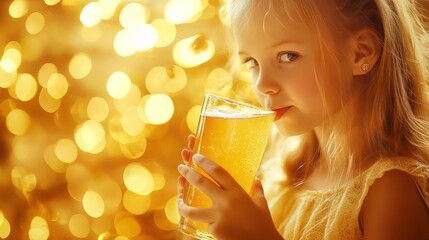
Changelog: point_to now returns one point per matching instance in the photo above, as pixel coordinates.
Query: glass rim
(261, 111)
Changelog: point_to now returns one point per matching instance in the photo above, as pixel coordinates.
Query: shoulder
(394, 209)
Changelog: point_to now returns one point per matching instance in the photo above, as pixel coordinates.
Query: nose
(265, 82)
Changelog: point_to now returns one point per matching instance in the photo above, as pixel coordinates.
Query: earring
(365, 67)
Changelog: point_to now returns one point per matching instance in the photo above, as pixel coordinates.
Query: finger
(201, 182)
(180, 184)
(191, 141)
(186, 155)
(193, 213)
(216, 172)
(258, 196)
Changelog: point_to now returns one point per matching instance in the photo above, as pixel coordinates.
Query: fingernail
(197, 158)
(180, 167)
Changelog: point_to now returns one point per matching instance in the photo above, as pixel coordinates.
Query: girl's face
(281, 57)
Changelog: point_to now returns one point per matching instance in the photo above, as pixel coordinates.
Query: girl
(348, 81)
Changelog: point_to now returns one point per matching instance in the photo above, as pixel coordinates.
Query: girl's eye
(250, 63)
(288, 57)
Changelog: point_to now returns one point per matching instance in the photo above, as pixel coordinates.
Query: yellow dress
(333, 214)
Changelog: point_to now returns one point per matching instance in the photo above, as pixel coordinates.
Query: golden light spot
(132, 98)
(93, 204)
(111, 193)
(123, 44)
(25, 87)
(51, 2)
(66, 150)
(134, 149)
(162, 222)
(4, 226)
(35, 23)
(133, 15)
(131, 122)
(171, 211)
(192, 118)
(57, 85)
(11, 60)
(108, 8)
(193, 51)
(78, 180)
(159, 180)
(127, 225)
(45, 72)
(52, 160)
(91, 14)
(138, 179)
(18, 8)
(90, 137)
(80, 65)
(97, 109)
(118, 85)
(144, 36)
(170, 79)
(135, 203)
(22, 180)
(219, 81)
(18, 122)
(183, 11)
(7, 79)
(39, 229)
(118, 134)
(47, 102)
(159, 109)
(79, 226)
(166, 32)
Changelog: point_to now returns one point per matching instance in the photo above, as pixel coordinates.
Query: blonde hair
(391, 110)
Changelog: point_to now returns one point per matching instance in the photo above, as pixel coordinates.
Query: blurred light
(183, 11)
(39, 229)
(159, 109)
(80, 65)
(134, 149)
(18, 121)
(133, 15)
(93, 204)
(45, 72)
(90, 137)
(11, 60)
(7, 79)
(108, 8)
(193, 51)
(91, 14)
(123, 43)
(97, 109)
(166, 32)
(66, 150)
(135, 203)
(162, 222)
(170, 79)
(79, 226)
(47, 102)
(52, 160)
(25, 87)
(192, 118)
(138, 179)
(111, 193)
(126, 225)
(131, 122)
(219, 81)
(144, 37)
(35, 23)
(132, 98)
(22, 180)
(78, 178)
(18, 8)
(171, 211)
(118, 85)
(51, 2)
(57, 86)
(159, 180)
(91, 34)
(4, 226)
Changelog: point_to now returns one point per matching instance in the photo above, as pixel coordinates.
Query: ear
(366, 50)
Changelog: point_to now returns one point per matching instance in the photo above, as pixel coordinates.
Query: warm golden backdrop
(97, 98)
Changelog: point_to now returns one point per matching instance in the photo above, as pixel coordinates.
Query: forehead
(267, 26)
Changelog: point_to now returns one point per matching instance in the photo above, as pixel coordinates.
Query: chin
(287, 130)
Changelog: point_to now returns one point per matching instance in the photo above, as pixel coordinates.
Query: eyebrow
(275, 45)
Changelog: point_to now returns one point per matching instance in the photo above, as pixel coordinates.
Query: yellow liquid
(236, 144)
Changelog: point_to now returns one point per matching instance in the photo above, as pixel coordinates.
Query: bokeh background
(97, 99)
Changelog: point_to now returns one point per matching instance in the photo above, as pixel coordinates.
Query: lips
(280, 112)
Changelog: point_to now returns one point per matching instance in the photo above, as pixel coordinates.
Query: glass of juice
(234, 135)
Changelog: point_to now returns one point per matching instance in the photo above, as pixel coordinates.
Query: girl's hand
(186, 153)
(234, 214)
